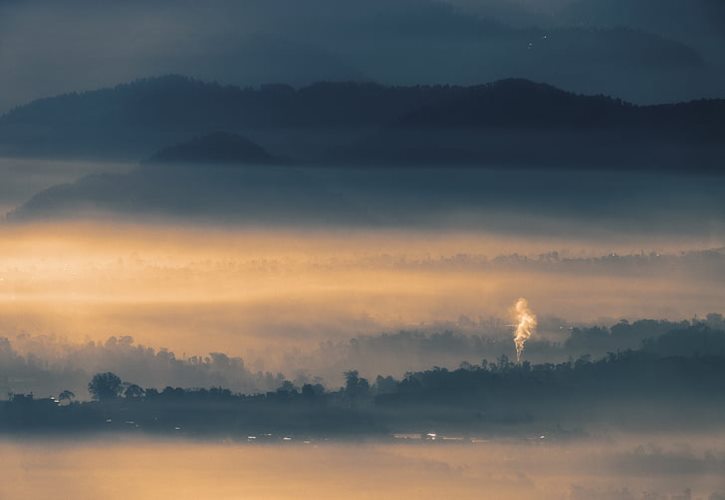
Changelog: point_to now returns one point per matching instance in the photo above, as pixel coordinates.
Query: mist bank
(21, 178)
(623, 467)
(262, 294)
(541, 203)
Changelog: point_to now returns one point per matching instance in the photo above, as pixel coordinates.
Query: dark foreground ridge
(643, 389)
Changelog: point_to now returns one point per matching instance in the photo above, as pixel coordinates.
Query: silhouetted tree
(385, 385)
(503, 365)
(287, 389)
(356, 386)
(66, 395)
(134, 391)
(310, 391)
(105, 386)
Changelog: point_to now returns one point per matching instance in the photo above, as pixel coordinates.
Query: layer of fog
(625, 467)
(21, 178)
(459, 247)
(640, 207)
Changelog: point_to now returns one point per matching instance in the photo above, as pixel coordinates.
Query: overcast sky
(48, 47)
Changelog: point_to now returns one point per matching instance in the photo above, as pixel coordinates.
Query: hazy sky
(50, 47)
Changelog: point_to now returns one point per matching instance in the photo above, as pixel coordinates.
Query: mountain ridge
(354, 122)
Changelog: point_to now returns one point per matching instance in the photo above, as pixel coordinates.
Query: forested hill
(628, 390)
(353, 122)
(216, 148)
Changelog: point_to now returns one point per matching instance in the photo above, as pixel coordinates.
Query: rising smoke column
(525, 326)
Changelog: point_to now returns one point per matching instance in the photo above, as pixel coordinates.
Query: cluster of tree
(707, 260)
(627, 388)
(447, 344)
(108, 386)
(43, 364)
(672, 338)
(54, 366)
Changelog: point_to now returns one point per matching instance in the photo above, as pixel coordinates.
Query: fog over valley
(622, 469)
(362, 249)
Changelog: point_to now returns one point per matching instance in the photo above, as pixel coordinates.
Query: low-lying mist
(284, 300)
(620, 467)
(21, 178)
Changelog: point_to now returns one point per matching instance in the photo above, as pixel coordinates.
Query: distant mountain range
(645, 51)
(509, 122)
(227, 178)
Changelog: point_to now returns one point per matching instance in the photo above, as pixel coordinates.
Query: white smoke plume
(525, 326)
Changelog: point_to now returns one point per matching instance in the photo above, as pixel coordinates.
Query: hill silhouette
(399, 42)
(215, 148)
(632, 389)
(507, 122)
